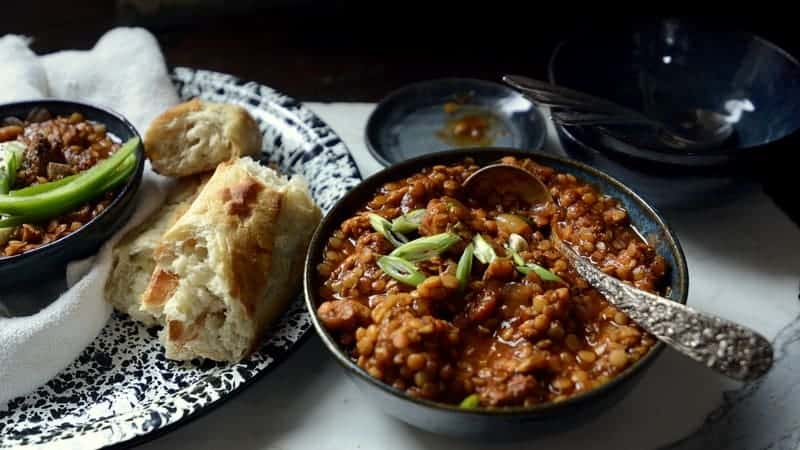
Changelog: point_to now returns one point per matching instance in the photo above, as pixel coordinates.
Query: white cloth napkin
(125, 72)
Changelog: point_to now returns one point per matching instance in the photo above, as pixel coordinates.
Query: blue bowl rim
(387, 174)
(131, 185)
(380, 108)
(738, 151)
(649, 166)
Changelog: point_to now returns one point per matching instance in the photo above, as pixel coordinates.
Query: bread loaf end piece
(231, 264)
(193, 137)
(132, 257)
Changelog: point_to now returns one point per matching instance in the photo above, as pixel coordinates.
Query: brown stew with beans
(493, 334)
(55, 147)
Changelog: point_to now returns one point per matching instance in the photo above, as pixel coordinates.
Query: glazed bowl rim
(387, 175)
(129, 188)
(721, 151)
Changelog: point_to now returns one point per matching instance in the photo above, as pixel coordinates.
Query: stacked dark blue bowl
(669, 66)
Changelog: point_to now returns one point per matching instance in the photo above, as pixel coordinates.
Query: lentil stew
(55, 148)
(512, 326)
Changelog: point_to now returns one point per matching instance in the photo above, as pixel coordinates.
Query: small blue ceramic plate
(451, 113)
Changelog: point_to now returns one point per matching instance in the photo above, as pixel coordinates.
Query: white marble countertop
(744, 264)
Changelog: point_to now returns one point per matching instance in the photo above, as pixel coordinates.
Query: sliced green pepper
(118, 178)
(401, 270)
(122, 172)
(14, 221)
(70, 195)
(41, 187)
(426, 247)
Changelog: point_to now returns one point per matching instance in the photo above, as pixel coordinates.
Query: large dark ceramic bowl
(667, 66)
(512, 421)
(50, 260)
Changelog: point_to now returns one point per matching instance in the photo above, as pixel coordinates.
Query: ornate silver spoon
(724, 346)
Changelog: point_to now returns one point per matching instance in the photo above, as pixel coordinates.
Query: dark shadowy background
(359, 51)
(344, 51)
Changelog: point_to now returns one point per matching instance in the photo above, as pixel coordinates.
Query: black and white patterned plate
(122, 390)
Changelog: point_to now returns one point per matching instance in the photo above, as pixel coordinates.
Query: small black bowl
(667, 67)
(666, 186)
(50, 260)
(507, 422)
(412, 120)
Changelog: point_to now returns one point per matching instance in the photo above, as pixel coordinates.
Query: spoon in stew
(722, 345)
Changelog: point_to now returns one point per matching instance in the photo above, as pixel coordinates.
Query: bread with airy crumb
(194, 136)
(132, 257)
(229, 267)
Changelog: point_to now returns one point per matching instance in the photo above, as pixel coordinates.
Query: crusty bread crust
(132, 257)
(194, 136)
(230, 265)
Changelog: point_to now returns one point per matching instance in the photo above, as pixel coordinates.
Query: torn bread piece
(132, 257)
(232, 263)
(194, 136)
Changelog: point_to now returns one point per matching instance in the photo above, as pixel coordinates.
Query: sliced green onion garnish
(11, 154)
(426, 247)
(518, 259)
(470, 402)
(517, 242)
(465, 266)
(543, 273)
(483, 251)
(408, 222)
(384, 227)
(401, 270)
(13, 146)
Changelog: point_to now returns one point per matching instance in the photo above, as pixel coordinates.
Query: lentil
(55, 147)
(508, 338)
